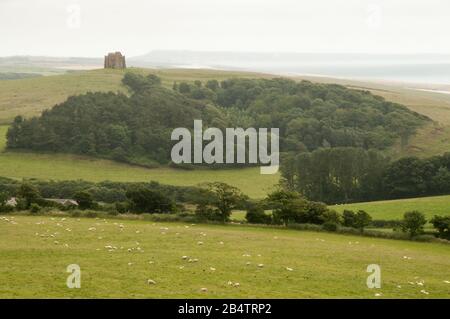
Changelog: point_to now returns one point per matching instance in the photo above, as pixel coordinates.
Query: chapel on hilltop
(115, 61)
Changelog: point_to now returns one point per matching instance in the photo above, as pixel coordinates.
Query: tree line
(344, 175)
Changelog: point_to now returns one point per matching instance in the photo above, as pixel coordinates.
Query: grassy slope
(394, 209)
(324, 265)
(71, 167)
(29, 97)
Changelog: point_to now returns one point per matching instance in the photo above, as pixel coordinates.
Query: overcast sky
(94, 27)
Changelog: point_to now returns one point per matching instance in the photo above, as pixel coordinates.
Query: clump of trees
(144, 200)
(288, 207)
(358, 220)
(349, 174)
(442, 225)
(217, 200)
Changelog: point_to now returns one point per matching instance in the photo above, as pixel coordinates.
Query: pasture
(118, 258)
(19, 165)
(394, 209)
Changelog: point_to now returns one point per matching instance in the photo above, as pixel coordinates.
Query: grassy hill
(394, 209)
(29, 97)
(37, 250)
(71, 167)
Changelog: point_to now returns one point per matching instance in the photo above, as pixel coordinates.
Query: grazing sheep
(204, 289)
(151, 282)
(289, 269)
(424, 292)
(260, 265)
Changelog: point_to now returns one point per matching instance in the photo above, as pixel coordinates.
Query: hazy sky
(94, 27)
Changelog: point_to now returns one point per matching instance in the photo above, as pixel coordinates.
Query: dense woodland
(137, 128)
(331, 138)
(346, 174)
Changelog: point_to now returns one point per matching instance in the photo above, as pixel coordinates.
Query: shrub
(29, 194)
(442, 225)
(204, 212)
(256, 215)
(84, 200)
(330, 226)
(348, 217)
(6, 209)
(35, 208)
(149, 201)
(413, 223)
(381, 223)
(122, 207)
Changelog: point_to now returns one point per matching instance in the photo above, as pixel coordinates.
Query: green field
(29, 97)
(35, 252)
(394, 209)
(20, 165)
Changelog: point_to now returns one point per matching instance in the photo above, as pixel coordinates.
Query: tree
(135, 82)
(348, 217)
(224, 198)
(29, 194)
(213, 85)
(362, 220)
(138, 83)
(413, 223)
(286, 206)
(331, 220)
(442, 225)
(184, 88)
(144, 200)
(84, 200)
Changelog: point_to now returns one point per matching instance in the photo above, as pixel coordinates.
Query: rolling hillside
(394, 209)
(29, 97)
